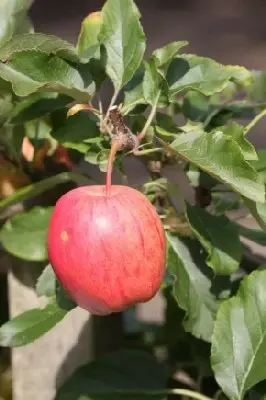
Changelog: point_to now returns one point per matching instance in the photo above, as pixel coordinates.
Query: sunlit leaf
(48, 44)
(31, 71)
(13, 18)
(239, 338)
(236, 132)
(222, 158)
(164, 55)
(192, 286)
(152, 83)
(88, 45)
(124, 40)
(24, 235)
(30, 326)
(189, 71)
(46, 284)
(133, 98)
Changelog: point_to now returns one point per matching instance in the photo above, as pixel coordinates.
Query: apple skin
(108, 251)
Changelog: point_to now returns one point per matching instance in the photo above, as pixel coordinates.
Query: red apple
(107, 249)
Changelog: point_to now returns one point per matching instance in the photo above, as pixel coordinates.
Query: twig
(38, 188)
(112, 102)
(116, 144)
(255, 120)
(142, 134)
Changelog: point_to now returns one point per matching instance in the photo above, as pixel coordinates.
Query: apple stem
(116, 145)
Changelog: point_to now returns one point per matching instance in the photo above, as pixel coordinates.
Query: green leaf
(257, 91)
(39, 42)
(102, 159)
(31, 71)
(192, 287)
(133, 91)
(258, 211)
(220, 114)
(260, 163)
(13, 141)
(24, 235)
(88, 45)
(49, 286)
(131, 370)
(37, 105)
(219, 237)
(195, 106)
(30, 191)
(164, 134)
(200, 178)
(222, 202)
(165, 55)
(23, 24)
(75, 130)
(31, 325)
(202, 74)
(133, 98)
(152, 83)
(239, 338)
(63, 300)
(5, 106)
(236, 132)
(254, 235)
(96, 67)
(222, 158)
(46, 284)
(92, 156)
(12, 17)
(37, 130)
(124, 40)
(166, 123)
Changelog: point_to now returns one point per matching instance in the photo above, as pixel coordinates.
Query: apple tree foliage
(189, 108)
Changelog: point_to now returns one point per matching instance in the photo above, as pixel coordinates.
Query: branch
(255, 120)
(112, 102)
(142, 134)
(38, 188)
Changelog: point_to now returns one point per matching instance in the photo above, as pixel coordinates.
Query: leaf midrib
(251, 363)
(57, 313)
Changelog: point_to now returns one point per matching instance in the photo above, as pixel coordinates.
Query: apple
(107, 247)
